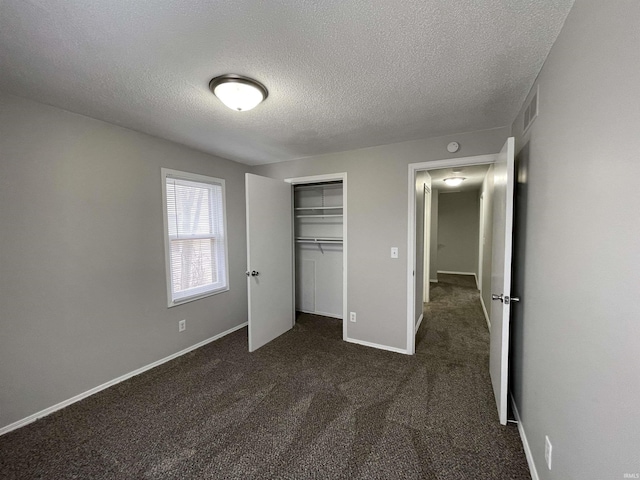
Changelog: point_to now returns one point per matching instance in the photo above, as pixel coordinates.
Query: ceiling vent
(531, 112)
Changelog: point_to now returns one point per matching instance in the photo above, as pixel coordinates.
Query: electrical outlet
(352, 317)
(547, 451)
(182, 325)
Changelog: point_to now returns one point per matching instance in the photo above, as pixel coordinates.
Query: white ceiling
(473, 175)
(341, 74)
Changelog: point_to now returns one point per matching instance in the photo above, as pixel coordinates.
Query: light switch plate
(394, 252)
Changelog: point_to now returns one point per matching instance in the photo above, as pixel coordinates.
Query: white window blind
(195, 241)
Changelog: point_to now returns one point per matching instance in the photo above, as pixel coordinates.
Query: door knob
(515, 299)
(254, 273)
(497, 297)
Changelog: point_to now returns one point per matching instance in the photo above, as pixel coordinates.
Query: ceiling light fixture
(454, 181)
(237, 92)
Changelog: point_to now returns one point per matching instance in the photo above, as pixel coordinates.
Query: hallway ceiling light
(237, 92)
(454, 181)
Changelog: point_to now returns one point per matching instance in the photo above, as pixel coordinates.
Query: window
(195, 236)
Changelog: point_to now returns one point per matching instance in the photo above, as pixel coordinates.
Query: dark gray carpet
(305, 406)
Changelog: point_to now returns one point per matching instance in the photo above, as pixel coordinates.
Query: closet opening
(319, 231)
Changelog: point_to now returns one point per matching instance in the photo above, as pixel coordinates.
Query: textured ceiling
(341, 74)
(473, 175)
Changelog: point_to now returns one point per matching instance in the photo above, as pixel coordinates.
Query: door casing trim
(414, 168)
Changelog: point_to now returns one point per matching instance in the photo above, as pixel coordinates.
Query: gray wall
(433, 265)
(377, 221)
(82, 289)
(576, 334)
(458, 231)
(487, 191)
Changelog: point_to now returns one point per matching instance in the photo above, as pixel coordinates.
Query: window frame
(200, 292)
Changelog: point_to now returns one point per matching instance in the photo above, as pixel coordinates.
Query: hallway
(453, 342)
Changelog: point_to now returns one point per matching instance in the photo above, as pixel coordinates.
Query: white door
(501, 275)
(269, 259)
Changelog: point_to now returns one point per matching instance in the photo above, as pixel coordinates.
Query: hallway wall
(421, 179)
(458, 231)
(487, 191)
(576, 333)
(433, 264)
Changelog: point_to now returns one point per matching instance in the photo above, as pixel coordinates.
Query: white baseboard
(376, 345)
(486, 314)
(47, 411)
(419, 322)
(525, 442)
(456, 273)
(433, 281)
(322, 314)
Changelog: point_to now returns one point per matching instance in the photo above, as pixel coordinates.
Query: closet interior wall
(318, 212)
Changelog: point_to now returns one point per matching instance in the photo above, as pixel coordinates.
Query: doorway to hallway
(502, 223)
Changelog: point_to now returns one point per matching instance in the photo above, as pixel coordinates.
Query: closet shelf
(319, 215)
(337, 207)
(318, 239)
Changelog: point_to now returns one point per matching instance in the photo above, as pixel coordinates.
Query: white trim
(433, 281)
(454, 162)
(450, 272)
(525, 442)
(411, 228)
(321, 314)
(376, 345)
(204, 291)
(328, 177)
(419, 322)
(486, 314)
(58, 406)
(345, 244)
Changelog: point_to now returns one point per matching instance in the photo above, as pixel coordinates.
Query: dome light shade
(454, 181)
(237, 92)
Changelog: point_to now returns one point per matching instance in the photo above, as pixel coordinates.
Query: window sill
(182, 301)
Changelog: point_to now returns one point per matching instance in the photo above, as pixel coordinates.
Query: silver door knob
(497, 297)
(515, 299)
(254, 273)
